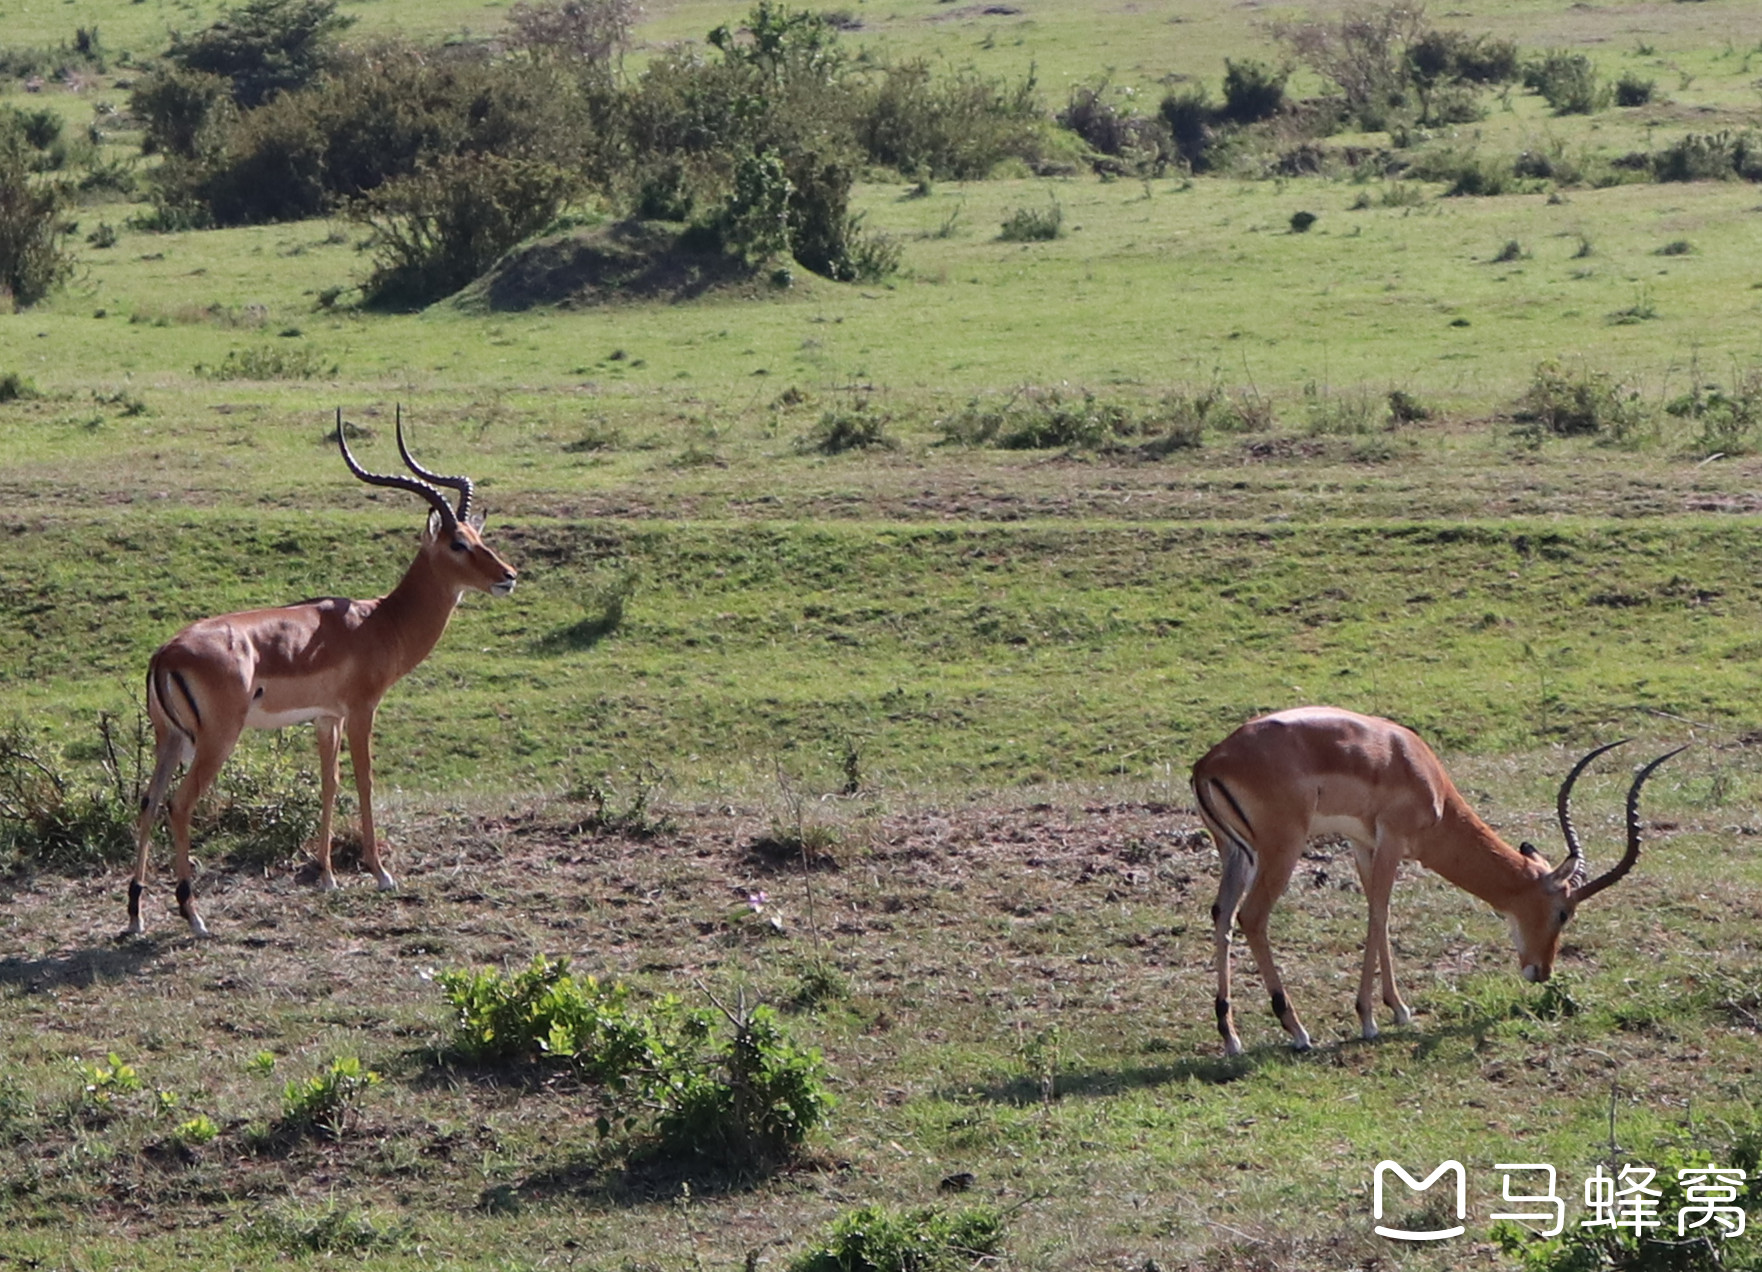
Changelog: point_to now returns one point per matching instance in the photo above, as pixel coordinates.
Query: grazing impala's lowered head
(453, 543)
(1282, 779)
(1546, 912)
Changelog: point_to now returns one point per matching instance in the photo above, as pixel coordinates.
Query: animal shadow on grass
(1024, 1090)
(612, 1176)
(79, 970)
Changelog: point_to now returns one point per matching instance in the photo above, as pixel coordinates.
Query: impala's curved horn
(1615, 875)
(1571, 870)
(396, 480)
(461, 484)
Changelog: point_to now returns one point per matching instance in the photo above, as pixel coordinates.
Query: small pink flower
(757, 900)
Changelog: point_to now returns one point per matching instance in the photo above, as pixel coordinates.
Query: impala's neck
(1467, 852)
(411, 617)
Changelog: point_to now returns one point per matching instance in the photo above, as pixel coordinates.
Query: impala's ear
(1527, 849)
(475, 521)
(434, 527)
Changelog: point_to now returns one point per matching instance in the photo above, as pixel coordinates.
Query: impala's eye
(459, 545)
(1564, 916)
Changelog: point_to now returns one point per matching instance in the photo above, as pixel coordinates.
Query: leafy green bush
(749, 1098)
(1032, 225)
(385, 112)
(15, 388)
(1190, 117)
(33, 232)
(1568, 82)
(329, 1102)
(842, 430)
(955, 127)
(1631, 90)
(925, 1239)
(1253, 91)
(754, 223)
(1716, 156)
(439, 228)
(1559, 403)
(182, 112)
(544, 1013)
(73, 808)
(1730, 419)
(264, 47)
(1124, 140)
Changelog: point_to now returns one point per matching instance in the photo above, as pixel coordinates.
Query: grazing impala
(329, 661)
(1280, 779)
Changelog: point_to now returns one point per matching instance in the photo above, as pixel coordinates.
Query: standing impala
(329, 661)
(1270, 786)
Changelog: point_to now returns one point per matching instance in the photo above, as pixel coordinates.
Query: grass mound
(624, 260)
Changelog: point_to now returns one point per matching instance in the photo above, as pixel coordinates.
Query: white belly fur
(256, 718)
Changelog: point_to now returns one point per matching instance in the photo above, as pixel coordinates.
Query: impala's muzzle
(1534, 974)
(504, 587)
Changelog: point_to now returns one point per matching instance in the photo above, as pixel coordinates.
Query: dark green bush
(180, 110)
(1559, 403)
(1033, 225)
(386, 110)
(1125, 142)
(1253, 91)
(439, 228)
(1568, 82)
(265, 47)
(955, 127)
(1631, 90)
(1730, 419)
(1716, 156)
(33, 231)
(1190, 119)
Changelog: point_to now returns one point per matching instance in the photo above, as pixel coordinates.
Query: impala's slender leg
(329, 730)
(171, 750)
(1236, 874)
(360, 725)
(1277, 863)
(1377, 868)
(212, 750)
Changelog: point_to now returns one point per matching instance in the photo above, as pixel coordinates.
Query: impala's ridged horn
(448, 520)
(1632, 854)
(461, 484)
(1571, 871)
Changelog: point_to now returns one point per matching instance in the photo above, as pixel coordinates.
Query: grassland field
(1015, 654)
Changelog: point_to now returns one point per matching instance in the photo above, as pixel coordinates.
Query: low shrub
(1124, 141)
(1033, 225)
(1730, 418)
(1559, 403)
(73, 808)
(1709, 157)
(746, 1097)
(1631, 90)
(924, 1239)
(439, 228)
(328, 1103)
(857, 428)
(954, 127)
(1568, 82)
(1253, 90)
(270, 362)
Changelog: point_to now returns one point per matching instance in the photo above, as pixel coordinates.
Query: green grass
(1017, 654)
